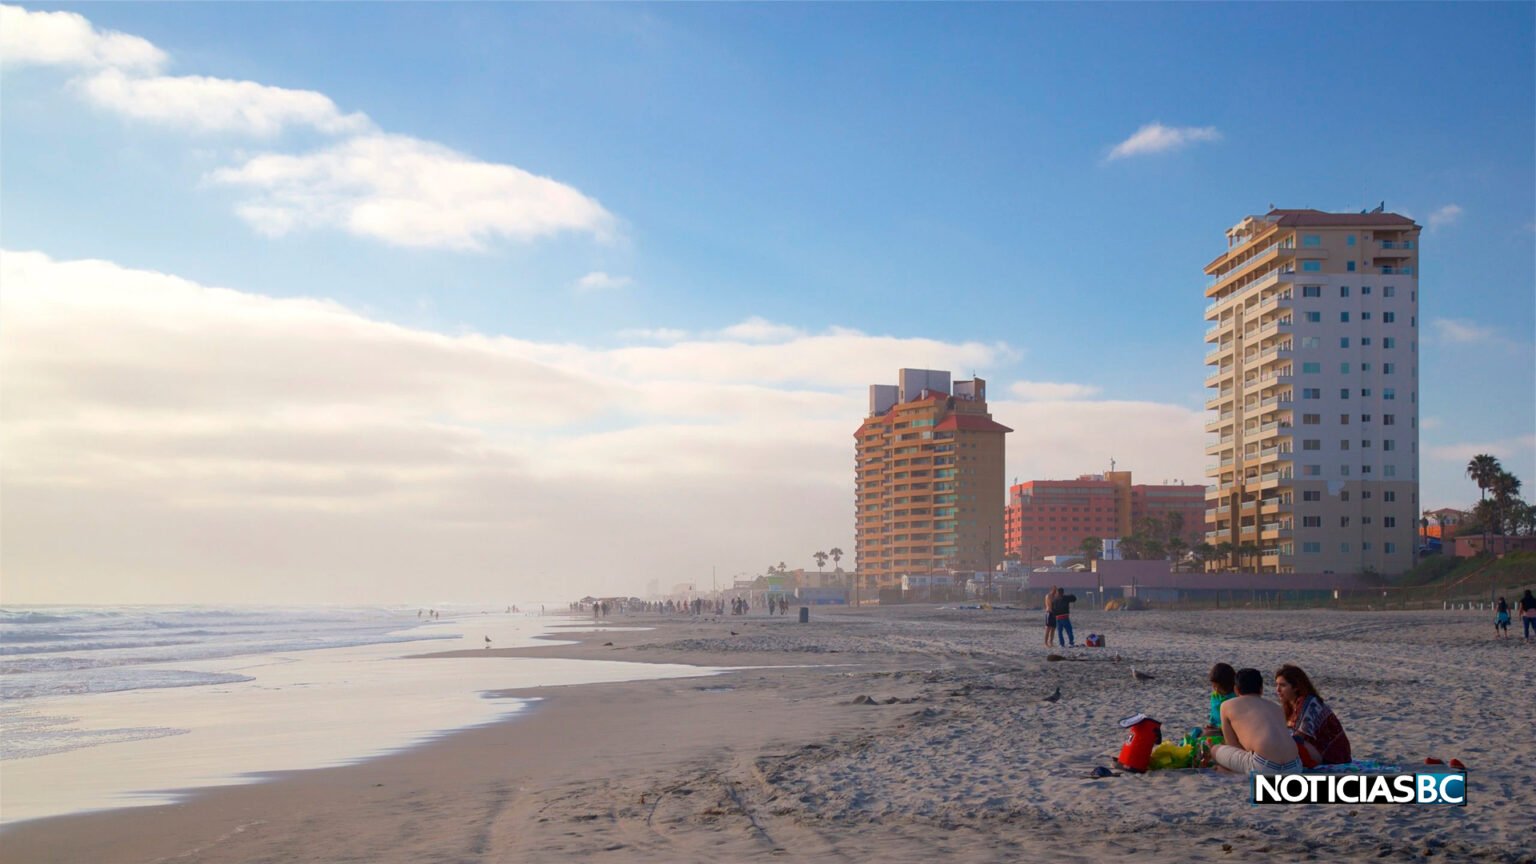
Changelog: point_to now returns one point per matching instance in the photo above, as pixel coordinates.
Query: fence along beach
(892, 734)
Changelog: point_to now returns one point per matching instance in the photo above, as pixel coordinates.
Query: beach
(890, 734)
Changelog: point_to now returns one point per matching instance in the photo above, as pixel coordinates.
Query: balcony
(1216, 401)
(1396, 271)
(1217, 377)
(1244, 267)
(1216, 447)
(1395, 248)
(1219, 353)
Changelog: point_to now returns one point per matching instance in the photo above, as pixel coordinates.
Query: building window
(1388, 368)
(1311, 393)
(1365, 341)
(1311, 266)
(1343, 521)
(1389, 522)
(1344, 548)
(1389, 470)
(1388, 444)
(1365, 316)
(1389, 419)
(1389, 291)
(1388, 317)
(1311, 419)
(1389, 342)
(1314, 317)
(1365, 469)
(1311, 241)
(1312, 444)
(1311, 548)
(1310, 342)
(1343, 470)
(1312, 470)
(1343, 317)
(1365, 547)
(1311, 290)
(1311, 521)
(1344, 444)
(1349, 266)
(1344, 368)
(1389, 547)
(1365, 392)
(1344, 495)
(1365, 520)
(1365, 290)
(1311, 495)
(1388, 393)
(1343, 392)
(1365, 418)
(1311, 368)
(1343, 341)
(1343, 419)
(1349, 240)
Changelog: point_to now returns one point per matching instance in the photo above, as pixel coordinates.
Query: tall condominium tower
(1315, 372)
(929, 479)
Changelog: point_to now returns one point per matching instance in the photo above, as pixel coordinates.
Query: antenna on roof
(1380, 207)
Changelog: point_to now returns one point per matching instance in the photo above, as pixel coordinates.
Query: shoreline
(955, 755)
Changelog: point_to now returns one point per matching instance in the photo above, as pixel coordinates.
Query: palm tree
(1224, 551)
(821, 561)
(1482, 470)
(1249, 550)
(1204, 552)
(836, 555)
(1092, 548)
(1176, 550)
(1506, 489)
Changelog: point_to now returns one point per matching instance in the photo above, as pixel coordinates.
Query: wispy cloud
(67, 39)
(408, 192)
(1051, 391)
(654, 334)
(1447, 215)
(392, 188)
(1157, 138)
(219, 105)
(1458, 331)
(1522, 446)
(600, 281)
(757, 329)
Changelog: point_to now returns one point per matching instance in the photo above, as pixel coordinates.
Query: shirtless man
(1254, 730)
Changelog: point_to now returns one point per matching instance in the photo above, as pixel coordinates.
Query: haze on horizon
(493, 302)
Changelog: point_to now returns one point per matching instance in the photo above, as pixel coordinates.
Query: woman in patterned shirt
(1319, 734)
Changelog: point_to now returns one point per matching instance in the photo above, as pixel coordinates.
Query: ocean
(130, 706)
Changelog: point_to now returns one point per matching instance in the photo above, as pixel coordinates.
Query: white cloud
(328, 457)
(67, 39)
(654, 334)
(219, 105)
(408, 192)
(600, 281)
(1157, 138)
(1463, 332)
(1519, 447)
(1051, 391)
(757, 329)
(1062, 440)
(1446, 215)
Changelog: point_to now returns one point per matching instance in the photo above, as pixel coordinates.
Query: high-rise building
(929, 474)
(1054, 517)
(1315, 372)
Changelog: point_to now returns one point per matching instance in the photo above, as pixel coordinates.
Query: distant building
(928, 480)
(1314, 377)
(1052, 517)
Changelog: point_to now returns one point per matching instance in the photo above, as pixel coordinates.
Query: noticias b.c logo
(1448, 789)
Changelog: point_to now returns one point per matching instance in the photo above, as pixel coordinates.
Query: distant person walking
(1528, 614)
(1501, 619)
(1062, 609)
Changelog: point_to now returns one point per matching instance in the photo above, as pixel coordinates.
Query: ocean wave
(32, 685)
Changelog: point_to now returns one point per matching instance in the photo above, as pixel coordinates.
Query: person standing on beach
(1254, 733)
(1062, 609)
(1528, 614)
(1050, 615)
(1501, 619)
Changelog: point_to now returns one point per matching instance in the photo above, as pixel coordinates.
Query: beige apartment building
(1314, 408)
(929, 480)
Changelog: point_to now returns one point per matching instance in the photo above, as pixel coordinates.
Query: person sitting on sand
(1254, 732)
(1223, 687)
(1319, 735)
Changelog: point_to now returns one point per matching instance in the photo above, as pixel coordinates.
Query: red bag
(1145, 734)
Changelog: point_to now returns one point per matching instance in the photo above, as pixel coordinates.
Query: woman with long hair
(1319, 734)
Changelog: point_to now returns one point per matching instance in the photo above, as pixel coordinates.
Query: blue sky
(746, 213)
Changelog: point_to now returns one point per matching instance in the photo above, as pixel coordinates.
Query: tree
(1482, 469)
(1224, 551)
(1249, 550)
(836, 555)
(1176, 549)
(1204, 553)
(1093, 548)
(1506, 491)
(821, 561)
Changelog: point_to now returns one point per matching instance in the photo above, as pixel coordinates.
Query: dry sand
(958, 757)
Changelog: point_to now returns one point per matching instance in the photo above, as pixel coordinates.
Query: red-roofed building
(1053, 517)
(929, 480)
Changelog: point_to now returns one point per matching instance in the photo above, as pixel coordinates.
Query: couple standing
(1058, 617)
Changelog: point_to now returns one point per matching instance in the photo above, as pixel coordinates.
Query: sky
(413, 303)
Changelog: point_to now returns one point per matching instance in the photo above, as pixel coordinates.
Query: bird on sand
(487, 642)
(1141, 676)
(1054, 697)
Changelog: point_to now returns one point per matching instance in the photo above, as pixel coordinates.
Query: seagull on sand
(487, 642)
(1141, 676)
(1054, 697)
